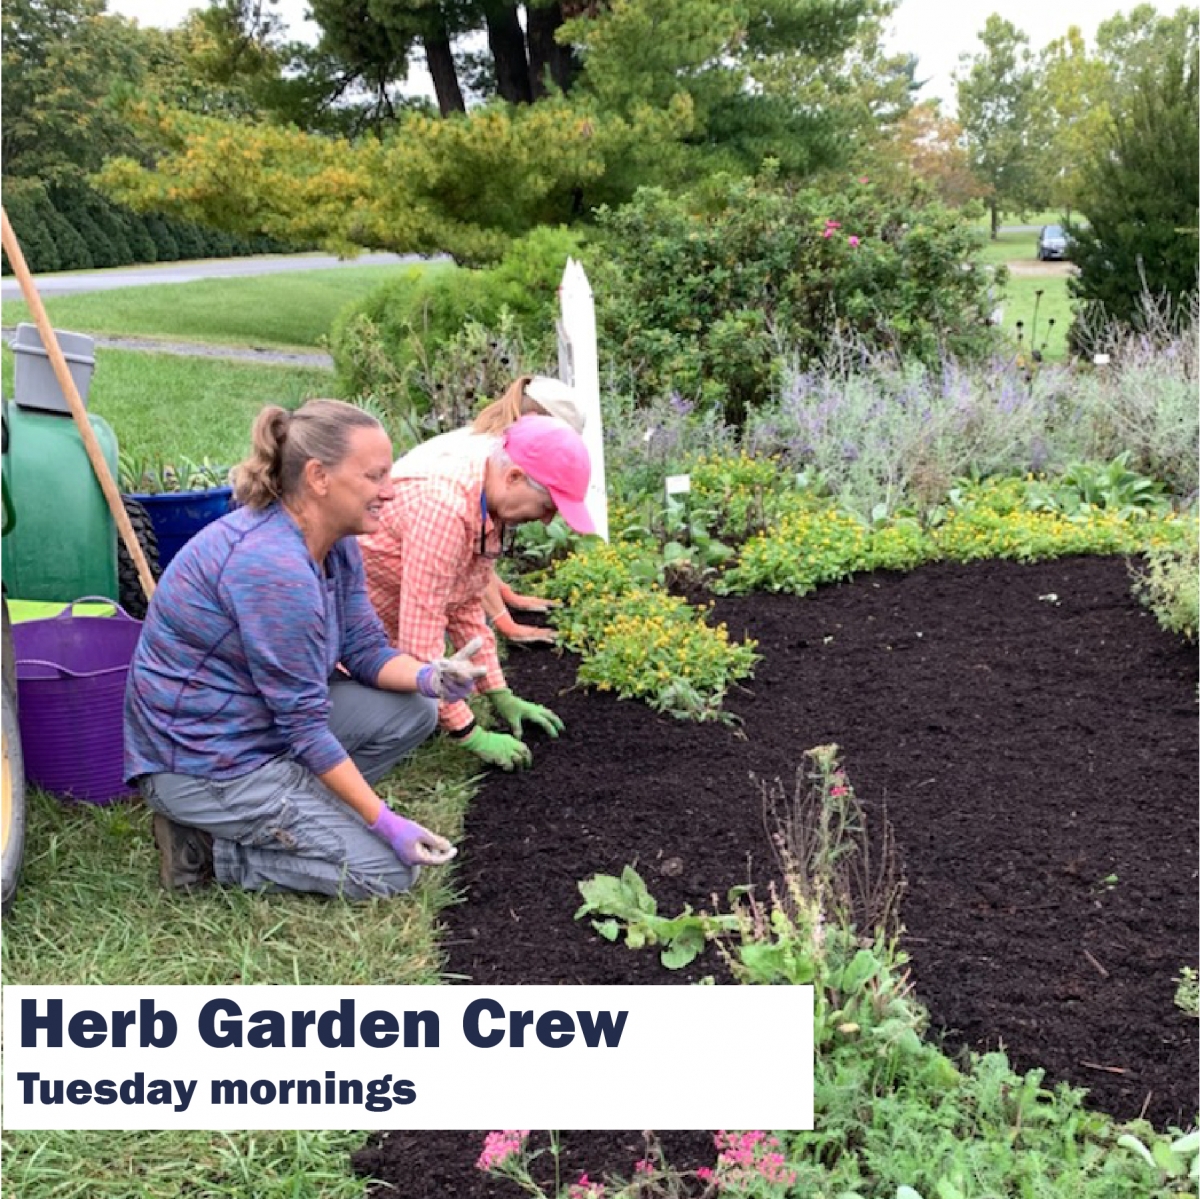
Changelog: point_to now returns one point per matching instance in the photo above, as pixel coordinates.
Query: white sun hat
(556, 398)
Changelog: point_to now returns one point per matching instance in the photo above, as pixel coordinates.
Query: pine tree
(1140, 196)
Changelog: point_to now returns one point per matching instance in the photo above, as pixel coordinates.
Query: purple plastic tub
(71, 673)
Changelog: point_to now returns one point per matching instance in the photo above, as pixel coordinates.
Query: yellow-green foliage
(750, 493)
(1170, 584)
(803, 551)
(990, 520)
(986, 520)
(463, 186)
(639, 641)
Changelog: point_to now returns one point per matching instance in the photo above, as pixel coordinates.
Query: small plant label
(679, 484)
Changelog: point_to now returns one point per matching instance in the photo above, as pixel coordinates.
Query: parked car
(1051, 243)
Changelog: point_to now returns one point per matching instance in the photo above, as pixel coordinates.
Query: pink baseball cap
(553, 454)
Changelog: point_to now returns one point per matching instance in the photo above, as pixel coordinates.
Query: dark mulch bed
(437, 1165)
(1026, 751)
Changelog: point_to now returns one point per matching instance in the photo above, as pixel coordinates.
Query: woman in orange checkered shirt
(526, 395)
(430, 561)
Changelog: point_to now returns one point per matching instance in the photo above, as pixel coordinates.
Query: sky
(938, 31)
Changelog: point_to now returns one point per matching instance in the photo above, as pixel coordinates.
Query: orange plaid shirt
(425, 575)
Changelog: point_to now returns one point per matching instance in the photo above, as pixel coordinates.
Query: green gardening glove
(516, 711)
(499, 749)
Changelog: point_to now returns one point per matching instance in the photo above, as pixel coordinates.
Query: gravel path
(194, 349)
(1045, 269)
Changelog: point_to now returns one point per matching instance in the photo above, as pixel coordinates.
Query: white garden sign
(579, 365)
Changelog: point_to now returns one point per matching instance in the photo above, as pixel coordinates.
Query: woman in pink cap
(527, 394)
(430, 561)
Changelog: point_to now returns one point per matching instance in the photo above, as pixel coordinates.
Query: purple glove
(451, 679)
(412, 844)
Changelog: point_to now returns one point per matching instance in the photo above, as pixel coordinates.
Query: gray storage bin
(34, 383)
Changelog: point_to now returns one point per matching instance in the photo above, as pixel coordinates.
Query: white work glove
(453, 678)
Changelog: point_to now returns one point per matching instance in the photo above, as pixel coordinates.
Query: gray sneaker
(185, 858)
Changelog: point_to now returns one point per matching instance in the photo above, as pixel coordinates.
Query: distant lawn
(1045, 216)
(290, 309)
(1009, 247)
(1021, 303)
(1020, 299)
(162, 405)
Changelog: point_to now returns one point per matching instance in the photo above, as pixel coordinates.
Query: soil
(1030, 733)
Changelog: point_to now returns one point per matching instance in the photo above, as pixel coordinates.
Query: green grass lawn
(1044, 216)
(90, 908)
(165, 1165)
(1009, 247)
(290, 310)
(1020, 300)
(162, 405)
(1021, 303)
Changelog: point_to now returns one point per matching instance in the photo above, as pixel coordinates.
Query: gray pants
(280, 828)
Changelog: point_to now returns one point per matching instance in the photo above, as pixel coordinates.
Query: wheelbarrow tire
(12, 809)
(130, 594)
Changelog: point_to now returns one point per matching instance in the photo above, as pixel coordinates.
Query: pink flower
(645, 1166)
(498, 1147)
(837, 792)
(827, 233)
(863, 179)
(830, 223)
(704, 1174)
(852, 240)
(747, 1156)
(585, 1188)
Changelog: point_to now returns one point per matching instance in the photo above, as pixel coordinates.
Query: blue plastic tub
(177, 516)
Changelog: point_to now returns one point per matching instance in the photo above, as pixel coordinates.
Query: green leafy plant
(714, 294)
(541, 544)
(628, 909)
(146, 475)
(1111, 487)
(1168, 584)
(639, 641)
(689, 549)
(1187, 992)
(1170, 1160)
(438, 341)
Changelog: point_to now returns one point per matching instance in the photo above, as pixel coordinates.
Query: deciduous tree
(995, 109)
(60, 61)
(1071, 114)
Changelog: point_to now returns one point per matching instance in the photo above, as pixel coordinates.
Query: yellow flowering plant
(639, 641)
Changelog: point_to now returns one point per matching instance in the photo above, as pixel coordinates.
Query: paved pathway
(78, 282)
(71, 283)
(74, 282)
(196, 349)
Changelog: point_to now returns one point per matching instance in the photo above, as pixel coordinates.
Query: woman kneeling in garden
(527, 395)
(264, 701)
(432, 558)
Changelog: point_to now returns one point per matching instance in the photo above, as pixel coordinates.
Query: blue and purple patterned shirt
(233, 664)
